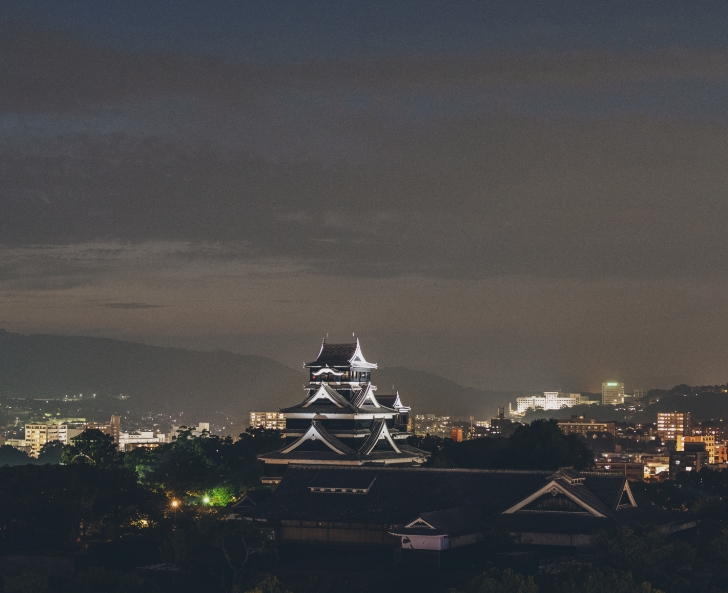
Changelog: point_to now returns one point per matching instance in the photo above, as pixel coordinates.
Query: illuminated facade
(673, 426)
(612, 393)
(341, 421)
(550, 400)
(269, 420)
(37, 435)
(709, 441)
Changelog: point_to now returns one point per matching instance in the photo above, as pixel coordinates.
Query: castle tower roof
(340, 355)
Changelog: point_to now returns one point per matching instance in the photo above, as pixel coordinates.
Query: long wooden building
(410, 512)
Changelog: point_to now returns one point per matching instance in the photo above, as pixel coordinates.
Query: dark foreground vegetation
(152, 521)
(539, 445)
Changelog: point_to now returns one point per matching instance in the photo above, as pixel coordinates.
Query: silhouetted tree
(10, 456)
(91, 447)
(51, 453)
(539, 445)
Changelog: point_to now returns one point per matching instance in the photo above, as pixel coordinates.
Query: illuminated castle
(341, 421)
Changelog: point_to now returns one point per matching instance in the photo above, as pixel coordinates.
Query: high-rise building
(612, 393)
(673, 426)
(341, 421)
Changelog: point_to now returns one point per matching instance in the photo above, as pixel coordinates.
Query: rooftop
(340, 355)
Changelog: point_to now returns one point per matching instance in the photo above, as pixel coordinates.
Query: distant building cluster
(613, 394)
(693, 446)
(460, 430)
(39, 434)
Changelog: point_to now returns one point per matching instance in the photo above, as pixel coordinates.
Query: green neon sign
(612, 384)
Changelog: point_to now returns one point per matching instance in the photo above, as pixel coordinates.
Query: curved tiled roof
(340, 355)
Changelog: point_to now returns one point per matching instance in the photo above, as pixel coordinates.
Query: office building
(612, 393)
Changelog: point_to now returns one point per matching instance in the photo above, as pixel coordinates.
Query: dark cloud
(53, 72)
(131, 306)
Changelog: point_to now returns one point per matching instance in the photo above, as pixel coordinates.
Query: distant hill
(154, 377)
(428, 393)
(173, 379)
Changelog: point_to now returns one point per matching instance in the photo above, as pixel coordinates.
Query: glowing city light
(206, 499)
(175, 503)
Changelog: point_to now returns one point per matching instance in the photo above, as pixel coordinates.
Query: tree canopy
(539, 445)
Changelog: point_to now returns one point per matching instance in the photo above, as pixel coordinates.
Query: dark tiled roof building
(342, 421)
(429, 511)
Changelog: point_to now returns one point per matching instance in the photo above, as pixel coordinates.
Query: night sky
(515, 195)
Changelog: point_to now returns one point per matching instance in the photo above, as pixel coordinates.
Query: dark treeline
(539, 445)
(50, 453)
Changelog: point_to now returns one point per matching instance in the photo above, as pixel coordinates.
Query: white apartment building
(550, 400)
(37, 435)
